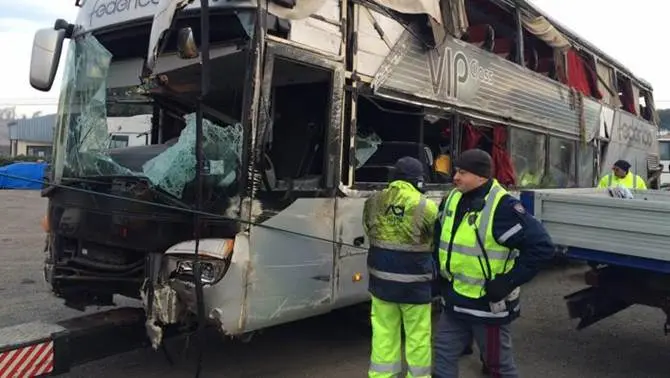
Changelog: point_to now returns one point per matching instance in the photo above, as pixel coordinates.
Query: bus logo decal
(103, 8)
(453, 74)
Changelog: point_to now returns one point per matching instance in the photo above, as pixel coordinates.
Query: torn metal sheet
(166, 309)
(430, 8)
(427, 7)
(161, 23)
(456, 17)
(302, 9)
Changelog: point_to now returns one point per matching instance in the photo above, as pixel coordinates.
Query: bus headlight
(211, 271)
(215, 259)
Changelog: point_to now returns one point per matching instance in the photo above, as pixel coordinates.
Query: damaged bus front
(284, 181)
(121, 219)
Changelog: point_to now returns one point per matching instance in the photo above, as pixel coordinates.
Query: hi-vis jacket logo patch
(397, 210)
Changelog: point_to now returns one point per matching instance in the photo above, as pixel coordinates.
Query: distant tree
(37, 114)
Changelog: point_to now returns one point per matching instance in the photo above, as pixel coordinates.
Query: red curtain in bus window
(578, 77)
(471, 136)
(502, 162)
(627, 97)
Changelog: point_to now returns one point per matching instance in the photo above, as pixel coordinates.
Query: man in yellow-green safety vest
(487, 248)
(528, 179)
(399, 223)
(622, 176)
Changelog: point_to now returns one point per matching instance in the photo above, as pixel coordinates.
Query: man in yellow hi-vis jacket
(399, 224)
(622, 176)
(487, 248)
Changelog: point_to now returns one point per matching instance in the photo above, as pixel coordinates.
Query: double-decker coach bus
(309, 105)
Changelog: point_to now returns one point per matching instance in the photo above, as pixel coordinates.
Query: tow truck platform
(624, 241)
(40, 349)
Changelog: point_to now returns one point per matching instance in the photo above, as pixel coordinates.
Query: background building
(32, 136)
(7, 115)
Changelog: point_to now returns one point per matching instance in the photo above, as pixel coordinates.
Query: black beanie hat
(477, 162)
(408, 168)
(623, 165)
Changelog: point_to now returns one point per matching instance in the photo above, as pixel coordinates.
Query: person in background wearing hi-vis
(488, 247)
(399, 224)
(622, 176)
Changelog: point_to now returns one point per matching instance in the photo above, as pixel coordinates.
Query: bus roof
(102, 14)
(575, 38)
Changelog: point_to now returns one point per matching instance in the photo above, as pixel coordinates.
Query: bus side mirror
(47, 47)
(186, 46)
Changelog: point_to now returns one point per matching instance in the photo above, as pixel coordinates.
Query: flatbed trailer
(626, 242)
(39, 349)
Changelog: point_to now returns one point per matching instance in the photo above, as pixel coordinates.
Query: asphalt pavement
(629, 344)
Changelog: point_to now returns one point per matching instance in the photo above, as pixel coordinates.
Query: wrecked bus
(309, 105)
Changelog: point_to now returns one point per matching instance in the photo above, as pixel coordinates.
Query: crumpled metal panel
(463, 75)
(290, 275)
(591, 219)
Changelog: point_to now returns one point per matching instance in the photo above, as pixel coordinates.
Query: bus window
(645, 104)
(491, 28)
(437, 136)
(626, 96)
(528, 156)
(582, 73)
(607, 85)
(664, 151)
(118, 141)
(586, 165)
(476, 135)
(561, 171)
(295, 146)
(491, 138)
(385, 132)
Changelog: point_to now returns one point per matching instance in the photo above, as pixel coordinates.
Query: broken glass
(82, 135)
(366, 146)
(222, 154)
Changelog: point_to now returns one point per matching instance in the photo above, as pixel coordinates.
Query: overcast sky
(623, 31)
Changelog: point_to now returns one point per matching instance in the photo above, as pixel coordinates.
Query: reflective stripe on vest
(465, 271)
(398, 277)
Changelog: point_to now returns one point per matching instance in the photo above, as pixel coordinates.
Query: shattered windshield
(88, 131)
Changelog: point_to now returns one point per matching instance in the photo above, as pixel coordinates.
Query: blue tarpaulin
(31, 171)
